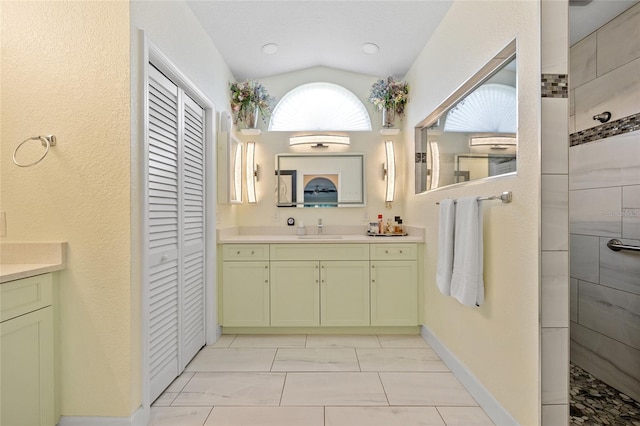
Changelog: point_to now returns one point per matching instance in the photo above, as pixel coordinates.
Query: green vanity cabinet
(245, 285)
(298, 285)
(26, 343)
(394, 285)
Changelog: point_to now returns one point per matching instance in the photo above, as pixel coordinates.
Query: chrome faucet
(319, 226)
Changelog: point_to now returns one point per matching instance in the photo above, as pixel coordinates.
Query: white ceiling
(331, 33)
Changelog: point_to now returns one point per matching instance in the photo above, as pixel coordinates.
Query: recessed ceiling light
(370, 48)
(269, 48)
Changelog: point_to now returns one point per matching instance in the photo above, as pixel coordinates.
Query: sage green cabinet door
(344, 293)
(27, 369)
(394, 293)
(245, 294)
(295, 296)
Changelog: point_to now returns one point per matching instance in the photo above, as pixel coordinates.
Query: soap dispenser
(301, 229)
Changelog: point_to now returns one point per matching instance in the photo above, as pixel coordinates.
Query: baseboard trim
(139, 418)
(485, 399)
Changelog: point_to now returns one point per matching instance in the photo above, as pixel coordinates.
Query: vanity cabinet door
(344, 293)
(245, 294)
(26, 351)
(394, 293)
(295, 295)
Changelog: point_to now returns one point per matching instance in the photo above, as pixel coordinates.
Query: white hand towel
(467, 283)
(445, 246)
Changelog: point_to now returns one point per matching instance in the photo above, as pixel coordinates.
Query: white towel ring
(47, 141)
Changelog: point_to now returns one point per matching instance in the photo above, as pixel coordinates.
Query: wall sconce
(389, 172)
(252, 172)
(319, 141)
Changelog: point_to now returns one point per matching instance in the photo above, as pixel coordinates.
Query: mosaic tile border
(555, 85)
(606, 130)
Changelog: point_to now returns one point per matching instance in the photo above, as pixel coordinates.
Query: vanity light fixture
(252, 172)
(495, 142)
(319, 141)
(389, 172)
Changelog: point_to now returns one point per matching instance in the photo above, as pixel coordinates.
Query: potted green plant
(391, 97)
(249, 100)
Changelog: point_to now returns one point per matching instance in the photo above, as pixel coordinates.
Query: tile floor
(317, 380)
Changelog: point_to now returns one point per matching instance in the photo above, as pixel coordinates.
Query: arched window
(320, 107)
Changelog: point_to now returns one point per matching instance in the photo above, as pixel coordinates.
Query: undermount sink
(320, 237)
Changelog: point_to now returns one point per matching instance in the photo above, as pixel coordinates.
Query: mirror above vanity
(320, 180)
(473, 133)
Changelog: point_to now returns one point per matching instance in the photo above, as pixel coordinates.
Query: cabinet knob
(266, 267)
(386, 252)
(238, 252)
(400, 251)
(266, 281)
(373, 266)
(164, 258)
(373, 281)
(252, 252)
(316, 281)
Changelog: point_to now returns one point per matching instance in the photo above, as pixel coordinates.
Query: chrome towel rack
(47, 142)
(617, 245)
(505, 197)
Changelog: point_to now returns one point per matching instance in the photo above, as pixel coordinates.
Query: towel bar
(506, 197)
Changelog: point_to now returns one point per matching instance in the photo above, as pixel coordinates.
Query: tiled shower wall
(604, 200)
(554, 255)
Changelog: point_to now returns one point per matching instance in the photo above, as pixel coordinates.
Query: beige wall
(499, 341)
(65, 71)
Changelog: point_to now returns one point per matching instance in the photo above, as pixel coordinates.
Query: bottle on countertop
(301, 229)
(399, 227)
(380, 225)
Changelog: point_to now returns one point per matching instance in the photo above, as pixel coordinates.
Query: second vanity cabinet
(326, 285)
(26, 343)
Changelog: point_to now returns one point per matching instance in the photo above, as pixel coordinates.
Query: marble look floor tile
(316, 359)
(179, 416)
(269, 341)
(464, 416)
(232, 389)
(343, 389)
(342, 341)
(402, 341)
(233, 359)
(224, 341)
(266, 416)
(430, 389)
(179, 382)
(399, 360)
(382, 416)
(165, 399)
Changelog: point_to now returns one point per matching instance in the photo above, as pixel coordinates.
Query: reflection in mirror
(473, 134)
(320, 180)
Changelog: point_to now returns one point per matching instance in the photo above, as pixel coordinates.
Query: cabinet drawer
(26, 295)
(394, 251)
(240, 252)
(319, 252)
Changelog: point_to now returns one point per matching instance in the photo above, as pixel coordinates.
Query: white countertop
(24, 260)
(331, 235)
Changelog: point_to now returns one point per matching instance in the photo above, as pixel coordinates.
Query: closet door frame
(152, 54)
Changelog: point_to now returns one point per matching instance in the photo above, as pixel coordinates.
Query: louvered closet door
(163, 231)
(192, 327)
